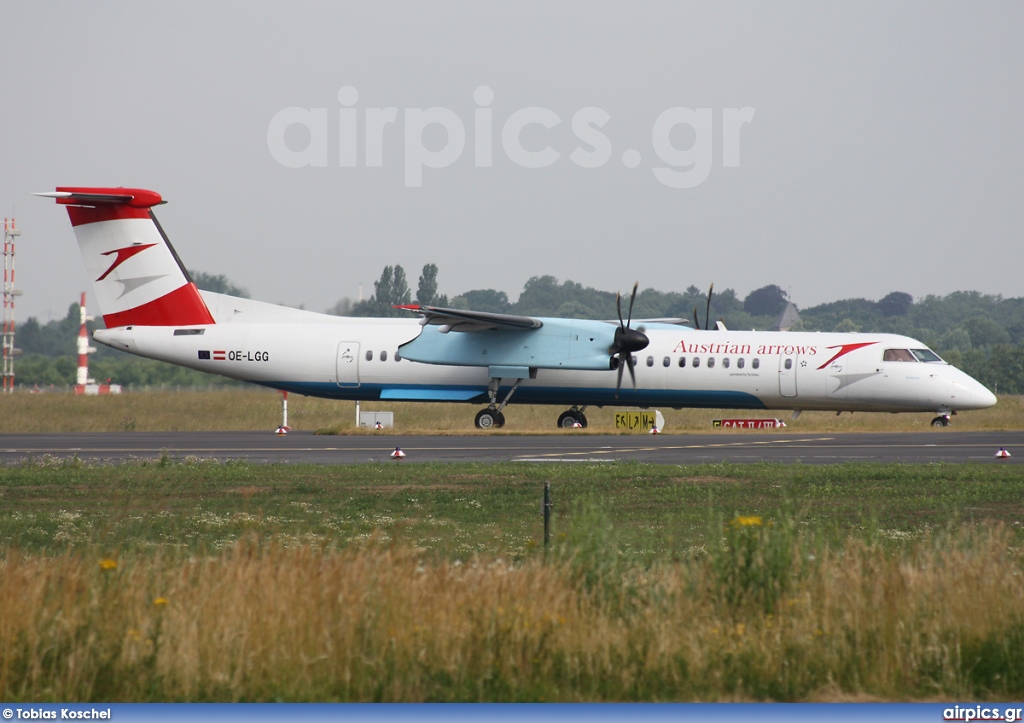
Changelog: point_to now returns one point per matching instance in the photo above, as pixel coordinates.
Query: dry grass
(939, 618)
(258, 409)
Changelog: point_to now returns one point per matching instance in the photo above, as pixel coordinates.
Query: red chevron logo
(122, 256)
(845, 349)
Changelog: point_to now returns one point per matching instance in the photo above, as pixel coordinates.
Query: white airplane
(152, 308)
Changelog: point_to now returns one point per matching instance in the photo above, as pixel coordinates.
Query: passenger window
(398, 357)
(682, 362)
(725, 362)
(755, 363)
(650, 361)
(711, 362)
(696, 362)
(666, 361)
(369, 356)
(740, 363)
(383, 356)
(789, 364)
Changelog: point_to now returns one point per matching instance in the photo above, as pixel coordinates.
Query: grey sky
(885, 150)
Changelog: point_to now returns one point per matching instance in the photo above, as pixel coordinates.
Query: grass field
(259, 409)
(201, 581)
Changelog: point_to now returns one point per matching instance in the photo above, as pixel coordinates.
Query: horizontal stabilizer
(134, 197)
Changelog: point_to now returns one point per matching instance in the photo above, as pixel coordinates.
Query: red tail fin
(137, 276)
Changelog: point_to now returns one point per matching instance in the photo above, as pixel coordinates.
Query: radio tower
(11, 232)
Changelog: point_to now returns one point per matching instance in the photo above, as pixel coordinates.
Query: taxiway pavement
(306, 448)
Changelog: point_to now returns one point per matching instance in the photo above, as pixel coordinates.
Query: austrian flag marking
(217, 355)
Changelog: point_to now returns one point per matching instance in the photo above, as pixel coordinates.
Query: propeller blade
(618, 306)
(632, 298)
(618, 382)
(632, 374)
(707, 313)
(696, 321)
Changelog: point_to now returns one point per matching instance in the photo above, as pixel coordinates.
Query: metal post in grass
(547, 517)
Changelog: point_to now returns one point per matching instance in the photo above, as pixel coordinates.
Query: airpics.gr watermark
(682, 167)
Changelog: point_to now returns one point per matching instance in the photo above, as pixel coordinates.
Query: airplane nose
(984, 398)
(973, 395)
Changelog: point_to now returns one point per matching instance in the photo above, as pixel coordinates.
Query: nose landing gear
(942, 420)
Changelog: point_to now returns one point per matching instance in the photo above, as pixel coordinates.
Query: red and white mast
(83, 350)
(83, 384)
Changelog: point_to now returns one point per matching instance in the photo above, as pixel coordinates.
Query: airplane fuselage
(357, 359)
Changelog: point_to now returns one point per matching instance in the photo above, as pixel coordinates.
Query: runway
(947, 446)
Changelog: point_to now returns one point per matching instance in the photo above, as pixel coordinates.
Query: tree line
(979, 333)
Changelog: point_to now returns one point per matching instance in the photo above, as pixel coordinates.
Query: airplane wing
(463, 320)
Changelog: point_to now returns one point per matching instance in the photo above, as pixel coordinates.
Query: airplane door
(787, 375)
(348, 364)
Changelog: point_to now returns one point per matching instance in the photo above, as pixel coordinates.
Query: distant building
(790, 317)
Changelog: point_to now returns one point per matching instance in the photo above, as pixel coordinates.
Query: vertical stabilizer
(136, 275)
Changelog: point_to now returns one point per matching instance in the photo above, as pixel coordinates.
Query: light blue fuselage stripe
(527, 395)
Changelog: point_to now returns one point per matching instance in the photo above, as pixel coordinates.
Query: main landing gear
(574, 416)
(491, 417)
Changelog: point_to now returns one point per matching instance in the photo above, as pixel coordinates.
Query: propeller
(626, 341)
(707, 311)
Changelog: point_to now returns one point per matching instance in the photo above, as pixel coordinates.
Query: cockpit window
(910, 355)
(898, 355)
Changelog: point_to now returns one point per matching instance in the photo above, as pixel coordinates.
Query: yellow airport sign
(639, 421)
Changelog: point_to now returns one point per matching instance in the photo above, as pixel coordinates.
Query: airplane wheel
(567, 420)
(940, 422)
(489, 418)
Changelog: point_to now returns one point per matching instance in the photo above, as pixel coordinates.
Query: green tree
(218, 283)
(495, 302)
(985, 331)
(343, 307)
(541, 295)
(766, 301)
(896, 303)
(382, 288)
(400, 293)
(957, 338)
(575, 310)
(426, 289)
(390, 289)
